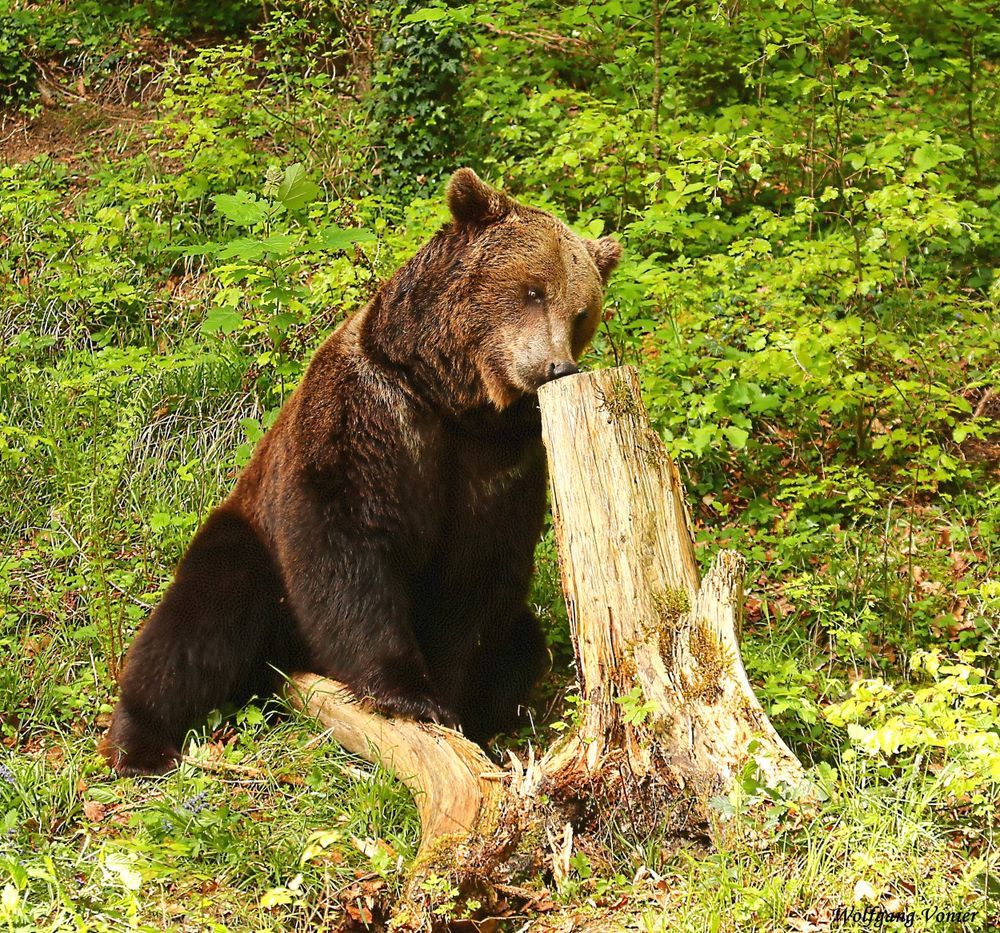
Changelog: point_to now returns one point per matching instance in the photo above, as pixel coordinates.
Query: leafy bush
(182, 17)
(950, 721)
(263, 274)
(416, 119)
(17, 26)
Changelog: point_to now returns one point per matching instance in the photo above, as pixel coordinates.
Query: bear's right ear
(473, 202)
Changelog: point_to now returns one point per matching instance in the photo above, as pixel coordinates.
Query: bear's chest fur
(451, 500)
(476, 493)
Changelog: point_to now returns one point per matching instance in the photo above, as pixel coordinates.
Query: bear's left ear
(605, 252)
(473, 202)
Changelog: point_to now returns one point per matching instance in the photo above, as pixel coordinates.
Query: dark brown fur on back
(383, 533)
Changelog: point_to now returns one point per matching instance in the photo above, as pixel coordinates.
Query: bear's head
(503, 299)
(535, 290)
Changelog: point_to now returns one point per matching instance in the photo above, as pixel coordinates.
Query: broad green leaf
(276, 897)
(296, 190)
(252, 429)
(118, 864)
(341, 237)
(702, 437)
(243, 248)
(221, 321)
(279, 244)
(242, 208)
(737, 437)
(926, 157)
(426, 15)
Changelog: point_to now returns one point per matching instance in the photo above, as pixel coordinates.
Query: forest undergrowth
(193, 195)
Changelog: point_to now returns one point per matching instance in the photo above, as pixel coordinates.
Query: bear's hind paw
(149, 760)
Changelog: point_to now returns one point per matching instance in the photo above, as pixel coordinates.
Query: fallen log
(668, 712)
(457, 789)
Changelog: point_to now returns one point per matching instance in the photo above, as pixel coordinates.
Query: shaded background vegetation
(193, 194)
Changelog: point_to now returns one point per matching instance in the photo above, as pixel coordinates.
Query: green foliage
(181, 17)
(263, 273)
(634, 711)
(197, 838)
(418, 74)
(951, 720)
(16, 70)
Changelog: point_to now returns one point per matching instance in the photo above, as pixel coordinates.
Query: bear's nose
(558, 370)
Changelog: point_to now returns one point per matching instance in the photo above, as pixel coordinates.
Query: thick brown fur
(383, 533)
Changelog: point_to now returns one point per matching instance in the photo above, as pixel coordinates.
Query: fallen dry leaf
(94, 811)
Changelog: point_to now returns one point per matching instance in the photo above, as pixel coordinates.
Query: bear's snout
(560, 369)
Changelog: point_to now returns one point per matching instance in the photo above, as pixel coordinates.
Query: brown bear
(383, 533)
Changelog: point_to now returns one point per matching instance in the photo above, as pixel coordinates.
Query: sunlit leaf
(242, 208)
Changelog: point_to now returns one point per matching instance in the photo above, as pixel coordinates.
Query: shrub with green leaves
(263, 274)
(950, 720)
(415, 116)
(17, 24)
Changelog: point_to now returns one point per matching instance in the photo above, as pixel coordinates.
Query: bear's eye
(535, 295)
(581, 316)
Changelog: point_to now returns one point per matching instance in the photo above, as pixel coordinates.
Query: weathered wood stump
(668, 710)
(638, 615)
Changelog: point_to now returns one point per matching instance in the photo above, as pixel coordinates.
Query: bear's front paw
(136, 744)
(420, 707)
(436, 713)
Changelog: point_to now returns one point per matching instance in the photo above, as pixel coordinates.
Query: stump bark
(668, 711)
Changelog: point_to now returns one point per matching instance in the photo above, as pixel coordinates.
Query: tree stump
(638, 616)
(668, 711)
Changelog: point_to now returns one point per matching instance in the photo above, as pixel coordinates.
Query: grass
(260, 831)
(120, 453)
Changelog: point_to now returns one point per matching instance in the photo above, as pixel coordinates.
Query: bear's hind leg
(210, 641)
